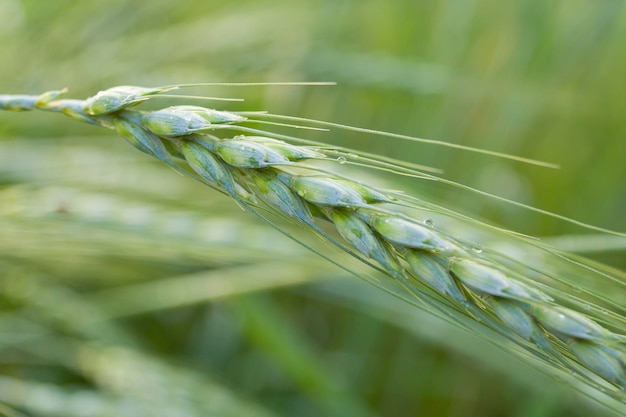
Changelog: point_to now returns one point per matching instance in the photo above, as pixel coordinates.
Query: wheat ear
(263, 173)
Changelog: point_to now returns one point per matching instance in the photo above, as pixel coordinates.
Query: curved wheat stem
(261, 172)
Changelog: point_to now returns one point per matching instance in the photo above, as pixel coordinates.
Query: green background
(127, 290)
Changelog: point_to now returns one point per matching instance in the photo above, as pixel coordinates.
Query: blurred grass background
(127, 290)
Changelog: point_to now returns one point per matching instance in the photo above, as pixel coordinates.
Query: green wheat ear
(262, 171)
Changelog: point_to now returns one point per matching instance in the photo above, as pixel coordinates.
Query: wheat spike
(262, 172)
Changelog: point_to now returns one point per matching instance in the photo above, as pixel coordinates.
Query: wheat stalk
(262, 173)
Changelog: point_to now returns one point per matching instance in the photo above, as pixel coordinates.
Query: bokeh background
(126, 290)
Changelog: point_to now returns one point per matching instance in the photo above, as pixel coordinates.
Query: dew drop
(342, 159)
(477, 249)
(429, 222)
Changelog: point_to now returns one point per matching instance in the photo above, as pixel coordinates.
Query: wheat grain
(438, 269)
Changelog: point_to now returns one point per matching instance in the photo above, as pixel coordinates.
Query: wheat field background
(128, 290)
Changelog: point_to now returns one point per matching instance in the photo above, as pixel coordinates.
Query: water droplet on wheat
(429, 222)
(342, 159)
(477, 249)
